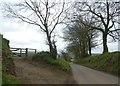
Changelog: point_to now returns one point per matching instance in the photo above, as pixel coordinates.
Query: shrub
(41, 56)
(49, 60)
(64, 65)
(8, 66)
(46, 58)
(5, 48)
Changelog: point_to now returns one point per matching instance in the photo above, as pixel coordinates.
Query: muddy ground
(30, 72)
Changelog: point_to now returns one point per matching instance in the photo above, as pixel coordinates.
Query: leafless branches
(46, 14)
(103, 15)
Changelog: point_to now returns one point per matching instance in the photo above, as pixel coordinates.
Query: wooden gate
(23, 52)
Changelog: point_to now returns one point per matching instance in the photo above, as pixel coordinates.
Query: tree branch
(57, 21)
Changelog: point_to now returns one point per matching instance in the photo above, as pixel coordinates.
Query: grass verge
(9, 79)
(46, 58)
(108, 62)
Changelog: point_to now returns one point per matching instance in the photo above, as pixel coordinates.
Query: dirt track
(34, 73)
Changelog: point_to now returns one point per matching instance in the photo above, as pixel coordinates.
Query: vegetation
(83, 22)
(8, 67)
(80, 38)
(107, 62)
(86, 18)
(7, 62)
(62, 64)
(9, 79)
(47, 15)
(46, 58)
(66, 56)
(104, 15)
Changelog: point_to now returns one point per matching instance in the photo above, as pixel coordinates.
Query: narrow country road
(84, 75)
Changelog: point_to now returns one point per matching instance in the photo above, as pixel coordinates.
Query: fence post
(26, 52)
(20, 52)
(35, 51)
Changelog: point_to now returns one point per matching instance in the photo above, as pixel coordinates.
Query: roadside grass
(9, 79)
(0, 73)
(108, 62)
(46, 58)
(62, 64)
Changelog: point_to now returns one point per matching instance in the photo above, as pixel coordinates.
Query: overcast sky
(23, 35)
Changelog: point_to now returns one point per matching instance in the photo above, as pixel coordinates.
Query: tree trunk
(105, 47)
(52, 50)
(51, 47)
(84, 52)
(89, 46)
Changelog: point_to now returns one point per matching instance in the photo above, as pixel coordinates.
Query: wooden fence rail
(26, 52)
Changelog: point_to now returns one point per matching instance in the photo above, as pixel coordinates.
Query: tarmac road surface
(84, 75)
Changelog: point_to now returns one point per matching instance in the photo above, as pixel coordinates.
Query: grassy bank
(108, 62)
(10, 79)
(8, 66)
(46, 58)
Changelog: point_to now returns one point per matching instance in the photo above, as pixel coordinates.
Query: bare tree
(45, 14)
(81, 39)
(105, 16)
